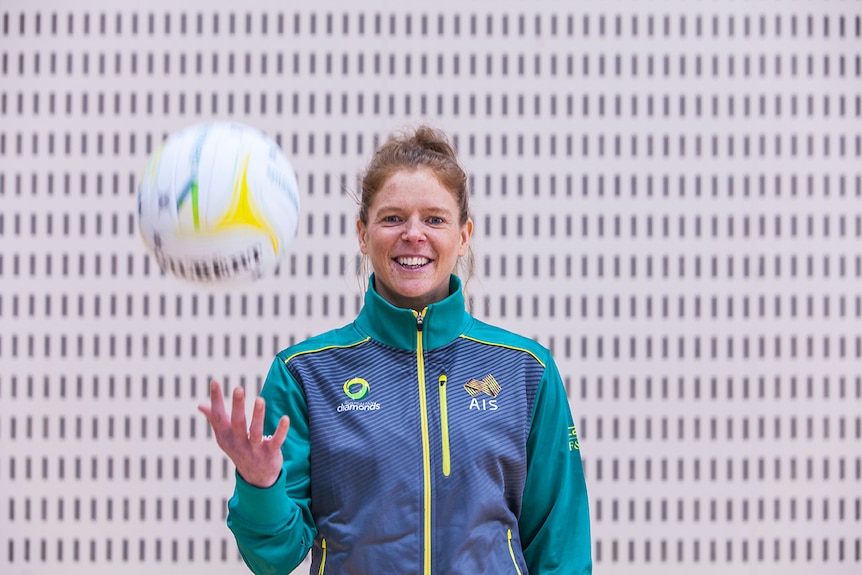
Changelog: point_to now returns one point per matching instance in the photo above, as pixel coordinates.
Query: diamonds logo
(356, 388)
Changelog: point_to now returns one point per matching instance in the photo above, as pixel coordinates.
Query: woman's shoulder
(500, 336)
(339, 338)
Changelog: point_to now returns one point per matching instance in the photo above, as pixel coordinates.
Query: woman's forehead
(414, 188)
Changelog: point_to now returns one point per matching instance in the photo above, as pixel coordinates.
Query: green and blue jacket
(419, 443)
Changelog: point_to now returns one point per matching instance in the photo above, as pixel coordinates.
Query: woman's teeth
(412, 262)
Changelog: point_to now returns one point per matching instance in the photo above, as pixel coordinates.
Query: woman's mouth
(412, 262)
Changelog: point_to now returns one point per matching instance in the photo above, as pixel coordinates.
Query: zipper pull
(419, 320)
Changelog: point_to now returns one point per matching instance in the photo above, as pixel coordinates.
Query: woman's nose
(413, 230)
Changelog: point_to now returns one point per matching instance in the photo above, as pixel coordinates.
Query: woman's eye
(435, 220)
(391, 219)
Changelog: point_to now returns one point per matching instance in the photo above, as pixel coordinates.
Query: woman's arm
(555, 516)
(270, 518)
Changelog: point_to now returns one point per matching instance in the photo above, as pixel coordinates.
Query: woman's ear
(466, 234)
(361, 235)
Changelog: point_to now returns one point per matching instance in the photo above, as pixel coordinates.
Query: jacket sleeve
(555, 516)
(273, 527)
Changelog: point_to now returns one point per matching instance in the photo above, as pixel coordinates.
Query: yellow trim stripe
(323, 558)
(426, 451)
(297, 354)
(444, 425)
(542, 363)
(512, 553)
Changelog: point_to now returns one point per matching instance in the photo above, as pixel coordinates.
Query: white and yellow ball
(218, 202)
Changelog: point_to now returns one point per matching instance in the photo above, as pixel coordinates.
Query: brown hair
(421, 148)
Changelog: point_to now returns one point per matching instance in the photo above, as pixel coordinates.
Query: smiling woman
(413, 237)
(389, 465)
(423, 162)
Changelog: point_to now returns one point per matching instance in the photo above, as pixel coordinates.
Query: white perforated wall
(667, 194)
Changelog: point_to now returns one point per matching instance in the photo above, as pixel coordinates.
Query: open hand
(257, 457)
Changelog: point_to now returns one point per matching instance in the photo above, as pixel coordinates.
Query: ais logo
(487, 385)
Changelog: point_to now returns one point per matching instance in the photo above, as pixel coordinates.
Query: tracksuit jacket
(420, 443)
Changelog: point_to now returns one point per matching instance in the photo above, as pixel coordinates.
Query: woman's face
(413, 239)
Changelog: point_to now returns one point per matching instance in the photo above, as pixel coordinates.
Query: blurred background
(668, 195)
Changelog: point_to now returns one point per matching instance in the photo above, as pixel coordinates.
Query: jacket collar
(397, 327)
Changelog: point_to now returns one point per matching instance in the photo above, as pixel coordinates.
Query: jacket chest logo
(477, 388)
(356, 390)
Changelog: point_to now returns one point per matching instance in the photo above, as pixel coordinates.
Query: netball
(218, 202)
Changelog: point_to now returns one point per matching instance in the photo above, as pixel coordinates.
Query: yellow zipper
(323, 558)
(444, 425)
(512, 553)
(426, 443)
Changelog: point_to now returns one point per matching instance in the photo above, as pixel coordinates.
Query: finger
(237, 413)
(281, 431)
(255, 431)
(214, 411)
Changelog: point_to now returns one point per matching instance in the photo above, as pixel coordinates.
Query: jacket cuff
(269, 506)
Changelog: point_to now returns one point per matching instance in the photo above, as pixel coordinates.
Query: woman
(421, 439)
